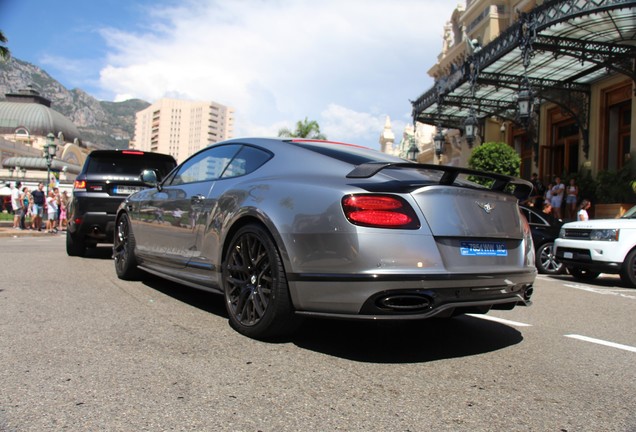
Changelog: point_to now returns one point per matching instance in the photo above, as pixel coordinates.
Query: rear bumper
(97, 226)
(594, 256)
(409, 297)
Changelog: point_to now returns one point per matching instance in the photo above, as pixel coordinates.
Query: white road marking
(604, 291)
(602, 342)
(500, 320)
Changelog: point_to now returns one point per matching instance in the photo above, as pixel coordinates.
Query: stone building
(553, 79)
(26, 119)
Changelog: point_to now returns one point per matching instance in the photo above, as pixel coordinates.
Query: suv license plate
(126, 190)
(483, 249)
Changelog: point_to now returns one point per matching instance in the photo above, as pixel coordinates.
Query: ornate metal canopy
(560, 48)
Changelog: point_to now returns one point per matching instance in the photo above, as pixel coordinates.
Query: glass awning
(573, 43)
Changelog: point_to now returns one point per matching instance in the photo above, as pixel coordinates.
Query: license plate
(483, 249)
(126, 190)
(568, 255)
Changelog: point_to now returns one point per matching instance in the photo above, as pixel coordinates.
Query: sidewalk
(6, 230)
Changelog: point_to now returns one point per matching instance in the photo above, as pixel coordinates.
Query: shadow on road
(406, 342)
(376, 342)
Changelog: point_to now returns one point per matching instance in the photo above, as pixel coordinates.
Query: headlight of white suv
(604, 234)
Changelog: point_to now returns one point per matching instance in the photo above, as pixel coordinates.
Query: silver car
(286, 228)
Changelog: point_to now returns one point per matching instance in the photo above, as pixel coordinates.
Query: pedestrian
(583, 208)
(26, 208)
(538, 191)
(64, 200)
(571, 198)
(557, 197)
(16, 204)
(39, 199)
(51, 214)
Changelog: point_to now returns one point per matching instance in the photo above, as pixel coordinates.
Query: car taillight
(79, 185)
(379, 211)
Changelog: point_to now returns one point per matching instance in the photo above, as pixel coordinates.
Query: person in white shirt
(16, 204)
(582, 213)
(51, 209)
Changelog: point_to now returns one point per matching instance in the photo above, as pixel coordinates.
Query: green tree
(304, 129)
(497, 157)
(5, 54)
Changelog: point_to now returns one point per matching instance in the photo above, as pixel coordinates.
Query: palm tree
(5, 54)
(304, 129)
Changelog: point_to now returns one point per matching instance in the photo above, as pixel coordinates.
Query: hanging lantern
(470, 128)
(439, 142)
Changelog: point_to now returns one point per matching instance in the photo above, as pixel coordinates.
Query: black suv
(107, 178)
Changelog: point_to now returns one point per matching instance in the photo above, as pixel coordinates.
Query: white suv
(588, 248)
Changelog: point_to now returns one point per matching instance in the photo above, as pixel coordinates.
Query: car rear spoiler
(500, 182)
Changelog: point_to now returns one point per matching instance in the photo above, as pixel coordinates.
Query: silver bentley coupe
(286, 228)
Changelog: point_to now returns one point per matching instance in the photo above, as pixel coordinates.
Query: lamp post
(50, 149)
(439, 141)
(412, 152)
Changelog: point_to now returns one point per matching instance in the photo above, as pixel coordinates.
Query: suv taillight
(379, 211)
(79, 185)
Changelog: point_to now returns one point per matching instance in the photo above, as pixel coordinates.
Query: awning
(39, 163)
(566, 45)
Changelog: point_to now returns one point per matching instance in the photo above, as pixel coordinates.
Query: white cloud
(346, 64)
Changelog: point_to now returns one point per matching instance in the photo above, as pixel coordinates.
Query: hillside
(102, 124)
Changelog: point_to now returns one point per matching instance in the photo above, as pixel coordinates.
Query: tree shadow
(371, 341)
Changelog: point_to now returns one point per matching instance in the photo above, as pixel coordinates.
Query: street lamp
(470, 127)
(412, 152)
(439, 142)
(524, 100)
(50, 149)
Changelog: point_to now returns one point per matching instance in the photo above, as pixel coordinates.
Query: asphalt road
(81, 350)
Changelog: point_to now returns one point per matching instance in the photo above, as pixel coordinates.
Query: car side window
(247, 160)
(205, 166)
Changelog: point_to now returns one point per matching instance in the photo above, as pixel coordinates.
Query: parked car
(545, 229)
(589, 248)
(286, 228)
(106, 179)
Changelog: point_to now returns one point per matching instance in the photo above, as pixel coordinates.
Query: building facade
(553, 79)
(181, 128)
(27, 125)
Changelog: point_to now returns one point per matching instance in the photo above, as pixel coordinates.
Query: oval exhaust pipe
(404, 302)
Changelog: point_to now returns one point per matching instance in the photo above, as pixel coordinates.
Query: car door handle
(197, 199)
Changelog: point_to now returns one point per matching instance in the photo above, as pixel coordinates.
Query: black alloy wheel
(255, 286)
(124, 250)
(547, 262)
(628, 272)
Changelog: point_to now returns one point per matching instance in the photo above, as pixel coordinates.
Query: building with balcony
(553, 79)
(181, 128)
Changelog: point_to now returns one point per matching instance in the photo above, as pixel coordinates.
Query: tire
(547, 262)
(75, 246)
(255, 286)
(582, 274)
(124, 250)
(628, 271)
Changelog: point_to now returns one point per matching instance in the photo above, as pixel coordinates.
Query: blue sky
(345, 63)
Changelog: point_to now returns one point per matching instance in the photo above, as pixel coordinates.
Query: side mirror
(149, 178)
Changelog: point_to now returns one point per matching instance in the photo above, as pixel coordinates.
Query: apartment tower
(181, 128)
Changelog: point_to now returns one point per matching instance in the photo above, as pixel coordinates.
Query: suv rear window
(128, 164)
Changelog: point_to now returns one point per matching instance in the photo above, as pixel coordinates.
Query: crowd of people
(32, 208)
(559, 200)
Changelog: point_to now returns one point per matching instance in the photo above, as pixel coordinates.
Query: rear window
(129, 164)
(351, 154)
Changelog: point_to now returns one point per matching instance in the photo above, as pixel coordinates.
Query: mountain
(101, 124)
